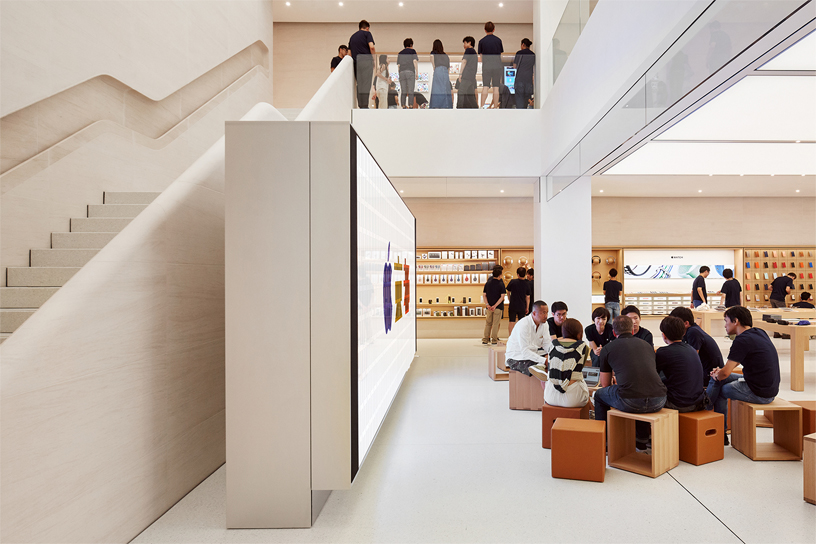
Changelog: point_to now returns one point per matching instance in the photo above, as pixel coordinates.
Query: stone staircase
(29, 287)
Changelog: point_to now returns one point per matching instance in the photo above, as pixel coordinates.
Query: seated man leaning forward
(530, 340)
(752, 348)
(633, 313)
(681, 365)
(639, 389)
(564, 381)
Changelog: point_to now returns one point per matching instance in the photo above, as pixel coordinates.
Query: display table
(800, 336)
(705, 317)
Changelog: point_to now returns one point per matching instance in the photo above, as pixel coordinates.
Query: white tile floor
(453, 464)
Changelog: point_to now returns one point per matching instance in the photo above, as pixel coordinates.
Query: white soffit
(799, 56)
(703, 186)
(719, 158)
(758, 108)
(464, 187)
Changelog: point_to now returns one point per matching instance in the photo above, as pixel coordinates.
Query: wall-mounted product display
(604, 260)
(761, 266)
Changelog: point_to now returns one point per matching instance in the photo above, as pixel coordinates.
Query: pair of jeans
(613, 308)
(734, 388)
(407, 80)
(524, 92)
(491, 330)
(609, 397)
(364, 71)
(698, 302)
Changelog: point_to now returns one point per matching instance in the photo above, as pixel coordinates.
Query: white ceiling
(799, 56)
(464, 187)
(412, 11)
(711, 186)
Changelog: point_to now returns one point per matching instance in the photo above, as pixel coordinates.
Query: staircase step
(25, 297)
(3, 336)
(115, 210)
(99, 224)
(81, 240)
(61, 257)
(39, 277)
(10, 320)
(129, 198)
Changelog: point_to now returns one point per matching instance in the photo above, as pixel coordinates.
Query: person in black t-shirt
(519, 297)
(639, 388)
(730, 288)
(599, 333)
(524, 63)
(530, 274)
(680, 364)
(493, 298)
(702, 342)
(805, 302)
(612, 290)
(467, 78)
(361, 47)
(780, 289)
(408, 66)
(698, 289)
(342, 51)
(759, 382)
(633, 313)
(559, 310)
(490, 50)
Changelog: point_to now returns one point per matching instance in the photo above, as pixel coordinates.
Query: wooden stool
(525, 392)
(810, 468)
(578, 449)
(665, 449)
(701, 437)
(495, 359)
(550, 413)
(787, 431)
(808, 415)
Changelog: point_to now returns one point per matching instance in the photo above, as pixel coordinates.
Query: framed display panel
(761, 265)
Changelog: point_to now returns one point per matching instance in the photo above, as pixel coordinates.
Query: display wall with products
(762, 265)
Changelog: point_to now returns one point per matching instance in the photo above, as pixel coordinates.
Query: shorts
(491, 76)
(516, 314)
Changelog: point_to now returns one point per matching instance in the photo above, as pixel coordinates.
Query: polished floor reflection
(453, 464)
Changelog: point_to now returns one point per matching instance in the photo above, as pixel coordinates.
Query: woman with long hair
(441, 87)
(381, 82)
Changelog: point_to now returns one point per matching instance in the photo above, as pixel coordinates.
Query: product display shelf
(603, 260)
(761, 265)
(661, 304)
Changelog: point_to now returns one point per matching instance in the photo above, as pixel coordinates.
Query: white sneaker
(539, 372)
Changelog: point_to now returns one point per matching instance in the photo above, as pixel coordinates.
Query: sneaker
(538, 372)
(725, 440)
(484, 342)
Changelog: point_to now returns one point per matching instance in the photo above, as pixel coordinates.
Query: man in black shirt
(519, 297)
(805, 302)
(467, 78)
(780, 289)
(698, 289)
(612, 290)
(680, 363)
(759, 383)
(697, 338)
(559, 310)
(730, 288)
(599, 333)
(639, 389)
(490, 50)
(493, 298)
(530, 274)
(524, 63)
(361, 47)
(408, 65)
(342, 51)
(633, 313)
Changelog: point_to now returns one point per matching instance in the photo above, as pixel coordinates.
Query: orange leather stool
(525, 392)
(579, 449)
(550, 413)
(701, 438)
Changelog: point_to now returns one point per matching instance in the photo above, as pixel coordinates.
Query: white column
(563, 247)
(546, 16)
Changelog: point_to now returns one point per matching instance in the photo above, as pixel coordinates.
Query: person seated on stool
(639, 389)
(564, 383)
(633, 313)
(759, 383)
(530, 340)
(559, 310)
(805, 302)
(696, 337)
(681, 365)
(599, 334)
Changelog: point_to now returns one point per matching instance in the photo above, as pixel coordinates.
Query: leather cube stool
(526, 392)
(701, 439)
(578, 449)
(550, 413)
(496, 368)
(787, 431)
(665, 448)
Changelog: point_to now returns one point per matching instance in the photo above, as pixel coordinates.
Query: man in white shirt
(529, 342)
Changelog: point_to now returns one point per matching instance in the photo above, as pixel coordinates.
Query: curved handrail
(334, 101)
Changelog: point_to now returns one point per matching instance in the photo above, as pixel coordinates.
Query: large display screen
(386, 309)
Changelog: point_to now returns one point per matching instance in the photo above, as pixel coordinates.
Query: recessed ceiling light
(501, 5)
(401, 4)
(742, 175)
(602, 190)
(288, 3)
(401, 191)
(798, 141)
(340, 4)
(797, 190)
(699, 190)
(502, 191)
(710, 175)
(803, 175)
(772, 175)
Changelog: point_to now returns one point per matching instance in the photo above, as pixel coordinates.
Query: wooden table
(800, 336)
(705, 317)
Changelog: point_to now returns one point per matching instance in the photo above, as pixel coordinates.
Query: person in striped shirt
(563, 380)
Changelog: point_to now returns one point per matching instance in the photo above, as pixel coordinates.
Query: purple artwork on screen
(388, 304)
